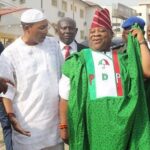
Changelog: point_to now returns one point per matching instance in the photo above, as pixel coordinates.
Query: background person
(67, 30)
(5, 123)
(127, 25)
(1, 47)
(3, 85)
(148, 35)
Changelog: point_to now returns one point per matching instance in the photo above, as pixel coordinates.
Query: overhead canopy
(4, 11)
(91, 2)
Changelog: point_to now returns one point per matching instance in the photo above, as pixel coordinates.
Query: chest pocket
(38, 62)
(30, 65)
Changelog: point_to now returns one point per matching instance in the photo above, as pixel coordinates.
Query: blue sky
(109, 2)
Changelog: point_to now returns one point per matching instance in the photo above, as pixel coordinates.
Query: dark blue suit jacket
(1, 47)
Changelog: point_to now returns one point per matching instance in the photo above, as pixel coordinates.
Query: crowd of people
(56, 91)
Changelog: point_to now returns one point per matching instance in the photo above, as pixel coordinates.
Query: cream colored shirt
(35, 70)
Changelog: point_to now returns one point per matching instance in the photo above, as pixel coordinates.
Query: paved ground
(66, 147)
(2, 147)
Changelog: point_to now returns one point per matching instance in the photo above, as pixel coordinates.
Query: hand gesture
(64, 135)
(138, 33)
(16, 125)
(3, 84)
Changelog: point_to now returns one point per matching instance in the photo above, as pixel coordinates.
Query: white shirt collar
(73, 45)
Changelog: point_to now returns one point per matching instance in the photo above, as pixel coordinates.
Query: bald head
(67, 19)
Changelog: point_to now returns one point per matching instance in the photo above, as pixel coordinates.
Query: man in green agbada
(106, 107)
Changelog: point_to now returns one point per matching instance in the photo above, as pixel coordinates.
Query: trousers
(6, 127)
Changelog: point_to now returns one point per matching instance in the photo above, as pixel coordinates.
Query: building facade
(80, 10)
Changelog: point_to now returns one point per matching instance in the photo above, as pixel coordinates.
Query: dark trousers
(6, 126)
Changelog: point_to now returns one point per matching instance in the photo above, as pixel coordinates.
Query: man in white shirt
(33, 65)
(67, 31)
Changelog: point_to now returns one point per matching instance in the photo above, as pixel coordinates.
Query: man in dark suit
(1, 47)
(3, 85)
(67, 30)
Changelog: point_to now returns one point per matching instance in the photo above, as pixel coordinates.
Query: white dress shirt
(73, 49)
(103, 87)
(35, 70)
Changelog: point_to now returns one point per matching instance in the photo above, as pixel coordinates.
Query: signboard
(123, 12)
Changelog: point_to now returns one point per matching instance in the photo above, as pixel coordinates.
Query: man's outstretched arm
(12, 117)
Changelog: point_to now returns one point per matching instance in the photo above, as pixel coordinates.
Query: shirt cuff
(10, 93)
(64, 87)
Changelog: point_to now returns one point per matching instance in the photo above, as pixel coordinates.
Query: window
(81, 34)
(71, 7)
(75, 8)
(64, 5)
(22, 1)
(81, 13)
(2, 5)
(54, 2)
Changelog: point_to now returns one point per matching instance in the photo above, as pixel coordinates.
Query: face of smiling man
(100, 39)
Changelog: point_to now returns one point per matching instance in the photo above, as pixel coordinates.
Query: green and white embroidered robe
(118, 122)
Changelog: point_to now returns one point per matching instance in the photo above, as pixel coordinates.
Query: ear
(56, 30)
(110, 33)
(26, 27)
(76, 30)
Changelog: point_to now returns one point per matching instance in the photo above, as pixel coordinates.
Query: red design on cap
(101, 19)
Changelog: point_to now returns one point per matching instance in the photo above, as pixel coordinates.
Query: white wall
(11, 23)
(51, 12)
